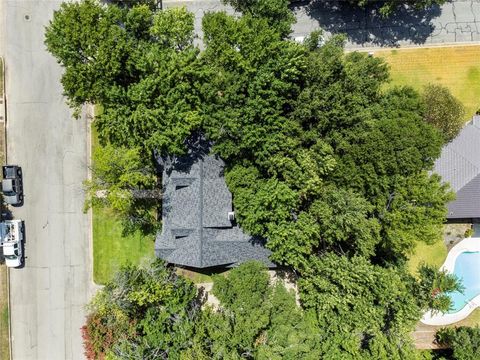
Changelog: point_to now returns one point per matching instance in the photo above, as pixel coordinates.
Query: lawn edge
(413, 47)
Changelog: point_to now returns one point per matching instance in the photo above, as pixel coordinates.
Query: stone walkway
(424, 336)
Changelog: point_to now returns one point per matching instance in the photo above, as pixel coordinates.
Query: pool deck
(469, 244)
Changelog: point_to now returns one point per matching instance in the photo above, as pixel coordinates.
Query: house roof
(459, 165)
(196, 231)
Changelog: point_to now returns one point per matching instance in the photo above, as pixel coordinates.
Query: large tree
(139, 63)
(343, 136)
(258, 76)
(443, 111)
(366, 309)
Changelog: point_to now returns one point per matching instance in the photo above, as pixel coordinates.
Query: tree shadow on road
(367, 27)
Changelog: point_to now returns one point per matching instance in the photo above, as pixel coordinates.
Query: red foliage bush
(97, 337)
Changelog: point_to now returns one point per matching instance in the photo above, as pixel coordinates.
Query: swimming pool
(467, 269)
(464, 261)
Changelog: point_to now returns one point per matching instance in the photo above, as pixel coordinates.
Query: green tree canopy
(443, 111)
(139, 63)
(125, 181)
(258, 75)
(388, 7)
(257, 319)
(464, 342)
(367, 309)
(276, 12)
(143, 313)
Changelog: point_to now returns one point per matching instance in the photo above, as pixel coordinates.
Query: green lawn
(430, 254)
(456, 67)
(110, 248)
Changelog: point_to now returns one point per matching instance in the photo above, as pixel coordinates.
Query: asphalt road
(455, 22)
(48, 295)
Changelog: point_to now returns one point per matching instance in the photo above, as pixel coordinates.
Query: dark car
(12, 185)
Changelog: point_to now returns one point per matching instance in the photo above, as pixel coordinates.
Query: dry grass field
(457, 67)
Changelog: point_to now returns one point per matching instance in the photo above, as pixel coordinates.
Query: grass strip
(112, 249)
(4, 314)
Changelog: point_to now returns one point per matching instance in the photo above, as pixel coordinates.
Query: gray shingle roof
(196, 231)
(459, 165)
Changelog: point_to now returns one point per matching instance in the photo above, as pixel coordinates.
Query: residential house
(459, 165)
(198, 221)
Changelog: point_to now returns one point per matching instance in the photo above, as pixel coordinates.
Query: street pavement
(48, 295)
(454, 22)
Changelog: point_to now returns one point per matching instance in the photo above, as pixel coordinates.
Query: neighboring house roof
(196, 231)
(459, 165)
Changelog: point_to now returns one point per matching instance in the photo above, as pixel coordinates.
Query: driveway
(48, 295)
(454, 22)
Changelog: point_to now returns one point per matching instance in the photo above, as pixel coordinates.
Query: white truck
(11, 239)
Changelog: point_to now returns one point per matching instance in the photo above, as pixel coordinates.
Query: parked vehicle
(12, 237)
(12, 185)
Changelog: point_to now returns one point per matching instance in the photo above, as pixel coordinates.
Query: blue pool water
(467, 268)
